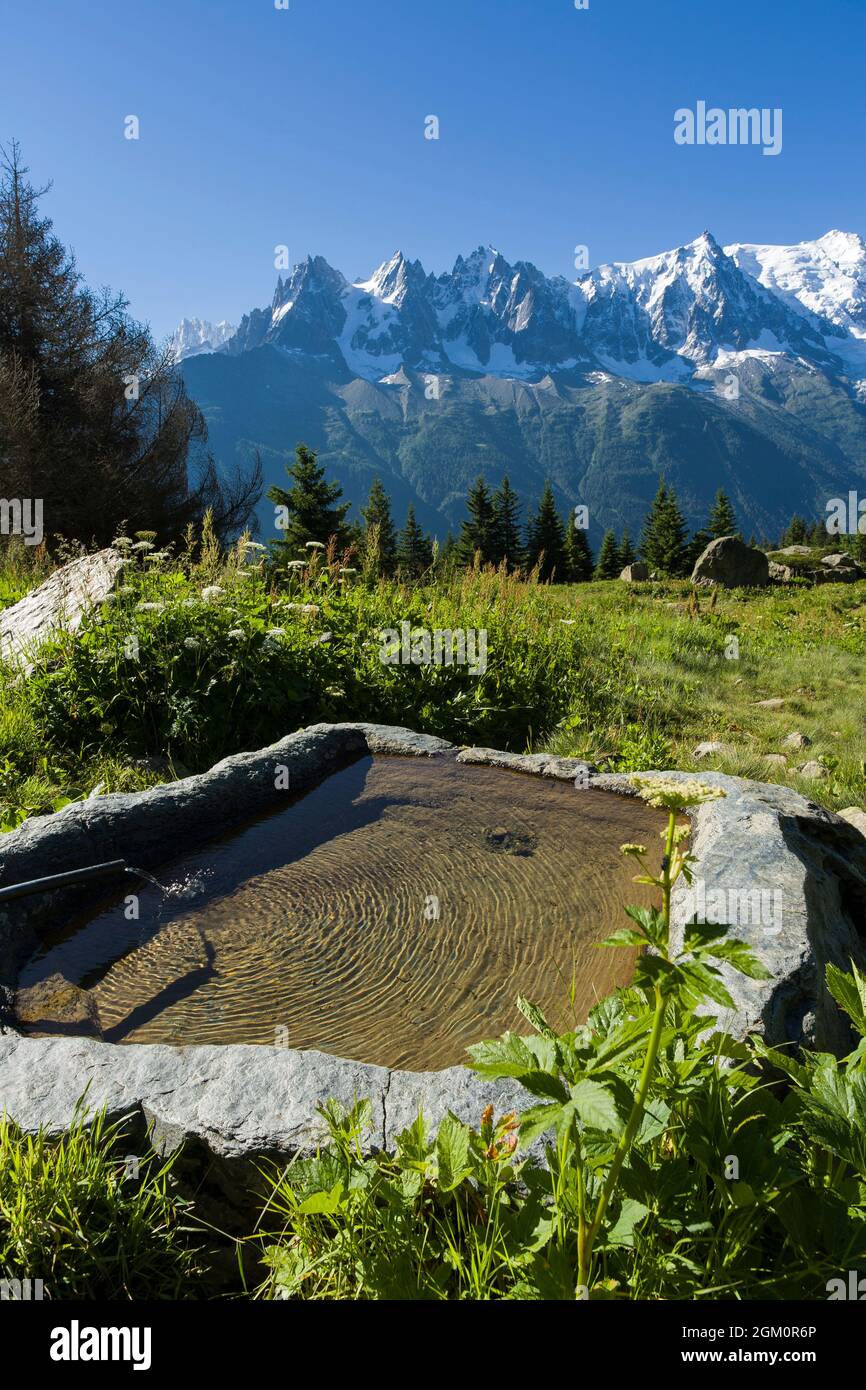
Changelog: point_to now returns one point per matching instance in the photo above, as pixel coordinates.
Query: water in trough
(391, 914)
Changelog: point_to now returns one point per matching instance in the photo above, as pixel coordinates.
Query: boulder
(839, 561)
(856, 816)
(638, 573)
(710, 749)
(731, 563)
(57, 605)
(837, 574)
(56, 1005)
(781, 574)
(775, 760)
(796, 740)
(775, 703)
(813, 769)
(794, 550)
(838, 569)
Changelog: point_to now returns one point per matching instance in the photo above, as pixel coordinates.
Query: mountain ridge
(740, 366)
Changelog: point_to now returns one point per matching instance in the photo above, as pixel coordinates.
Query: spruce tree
(378, 513)
(478, 530)
(95, 420)
(578, 556)
(314, 512)
(663, 543)
(696, 547)
(414, 551)
(506, 541)
(608, 565)
(722, 520)
(546, 539)
(796, 533)
(627, 554)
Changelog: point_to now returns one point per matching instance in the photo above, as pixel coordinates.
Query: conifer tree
(377, 513)
(796, 532)
(95, 420)
(663, 543)
(627, 554)
(314, 512)
(546, 539)
(477, 531)
(608, 565)
(696, 547)
(506, 541)
(414, 551)
(578, 556)
(722, 520)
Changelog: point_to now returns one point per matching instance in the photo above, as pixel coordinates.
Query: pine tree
(414, 551)
(377, 513)
(696, 547)
(313, 510)
(506, 541)
(608, 565)
(663, 543)
(796, 533)
(578, 556)
(448, 558)
(95, 420)
(722, 520)
(546, 539)
(478, 531)
(627, 554)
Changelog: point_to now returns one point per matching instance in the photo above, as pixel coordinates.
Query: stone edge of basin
(242, 1101)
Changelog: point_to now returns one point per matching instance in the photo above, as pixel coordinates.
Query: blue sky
(306, 127)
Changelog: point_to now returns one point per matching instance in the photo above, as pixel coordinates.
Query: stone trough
(230, 1105)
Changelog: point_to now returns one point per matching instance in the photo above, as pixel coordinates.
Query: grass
(629, 677)
(676, 679)
(75, 1213)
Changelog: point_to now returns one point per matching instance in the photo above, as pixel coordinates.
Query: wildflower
(150, 608)
(212, 592)
(276, 632)
(235, 633)
(636, 850)
(325, 637)
(314, 545)
(296, 565)
(254, 545)
(674, 796)
(191, 644)
(157, 557)
(143, 545)
(345, 569)
(122, 543)
(334, 690)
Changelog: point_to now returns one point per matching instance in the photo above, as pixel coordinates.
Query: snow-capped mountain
(660, 319)
(742, 367)
(197, 335)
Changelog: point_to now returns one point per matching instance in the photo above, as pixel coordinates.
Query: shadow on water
(90, 943)
(181, 988)
(392, 913)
